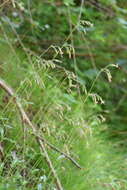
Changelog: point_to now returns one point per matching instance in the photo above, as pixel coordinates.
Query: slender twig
(59, 151)
(26, 120)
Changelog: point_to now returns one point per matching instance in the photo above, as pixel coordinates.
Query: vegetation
(66, 63)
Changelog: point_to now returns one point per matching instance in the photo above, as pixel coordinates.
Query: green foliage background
(60, 57)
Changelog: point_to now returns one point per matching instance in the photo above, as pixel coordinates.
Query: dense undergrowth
(63, 90)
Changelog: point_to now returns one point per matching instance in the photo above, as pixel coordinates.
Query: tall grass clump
(62, 118)
(53, 129)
